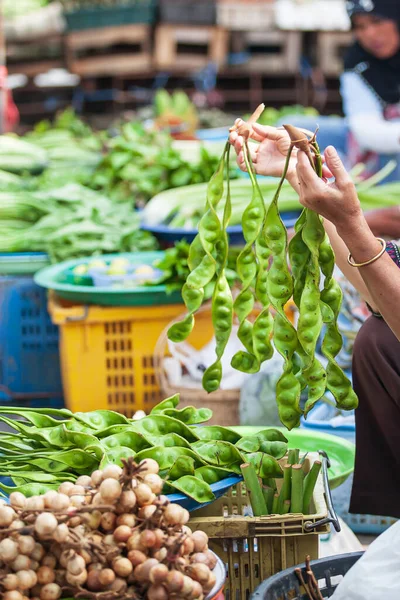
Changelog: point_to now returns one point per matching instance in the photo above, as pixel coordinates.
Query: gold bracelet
(372, 260)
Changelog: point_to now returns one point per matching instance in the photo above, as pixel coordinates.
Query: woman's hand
(337, 202)
(269, 155)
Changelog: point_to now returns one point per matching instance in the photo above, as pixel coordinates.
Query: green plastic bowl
(341, 452)
(58, 278)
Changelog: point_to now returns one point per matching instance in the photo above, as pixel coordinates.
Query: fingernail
(330, 151)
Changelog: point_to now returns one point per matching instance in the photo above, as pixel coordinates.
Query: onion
(158, 574)
(107, 522)
(122, 567)
(21, 563)
(160, 537)
(17, 524)
(110, 490)
(134, 542)
(78, 500)
(10, 582)
(197, 591)
(93, 581)
(106, 577)
(112, 471)
(7, 516)
(95, 567)
(119, 585)
(38, 552)
(161, 554)
(122, 534)
(146, 512)
(45, 575)
(49, 497)
(26, 544)
(144, 495)
(17, 500)
(148, 465)
(154, 482)
(51, 591)
(142, 572)
(174, 582)
(136, 557)
(148, 538)
(97, 477)
(108, 540)
(128, 499)
(97, 500)
(84, 480)
(60, 502)
(187, 586)
(8, 550)
(157, 592)
(188, 546)
(126, 519)
(14, 595)
(26, 580)
(200, 572)
(45, 524)
(34, 503)
(210, 583)
(77, 579)
(66, 487)
(200, 540)
(76, 564)
(199, 557)
(76, 490)
(173, 514)
(61, 533)
(94, 519)
(211, 560)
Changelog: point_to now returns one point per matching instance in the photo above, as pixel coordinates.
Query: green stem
(268, 493)
(286, 485)
(254, 490)
(309, 485)
(293, 456)
(297, 489)
(275, 505)
(286, 507)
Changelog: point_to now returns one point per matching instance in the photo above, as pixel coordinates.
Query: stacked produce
(295, 493)
(176, 113)
(191, 458)
(105, 536)
(268, 279)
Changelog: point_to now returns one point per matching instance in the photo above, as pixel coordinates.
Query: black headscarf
(383, 75)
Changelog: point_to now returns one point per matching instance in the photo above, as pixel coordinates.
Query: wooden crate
(330, 49)
(32, 57)
(96, 52)
(273, 52)
(189, 47)
(246, 16)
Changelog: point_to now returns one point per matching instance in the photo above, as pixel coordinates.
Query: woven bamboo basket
(223, 403)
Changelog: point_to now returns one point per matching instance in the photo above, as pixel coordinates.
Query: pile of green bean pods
(271, 272)
(46, 447)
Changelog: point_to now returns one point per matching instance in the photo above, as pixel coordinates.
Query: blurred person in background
(370, 89)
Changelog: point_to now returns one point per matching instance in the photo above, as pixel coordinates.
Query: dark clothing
(382, 75)
(376, 380)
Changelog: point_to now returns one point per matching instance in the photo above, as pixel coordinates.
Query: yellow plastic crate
(107, 353)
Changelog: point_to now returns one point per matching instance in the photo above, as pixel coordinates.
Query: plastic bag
(376, 574)
(342, 542)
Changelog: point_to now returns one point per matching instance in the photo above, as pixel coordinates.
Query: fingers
(306, 174)
(264, 132)
(253, 149)
(336, 167)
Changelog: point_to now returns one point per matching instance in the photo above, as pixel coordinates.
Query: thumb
(335, 165)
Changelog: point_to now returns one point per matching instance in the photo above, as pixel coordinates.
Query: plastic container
(60, 278)
(320, 420)
(219, 489)
(29, 357)
(107, 354)
(328, 572)
(188, 12)
(164, 233)
(126, 13)
(254, 548)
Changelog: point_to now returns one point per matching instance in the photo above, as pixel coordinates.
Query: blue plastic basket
(29, 356)
(164, 233)
(218, 489)
(320, 420)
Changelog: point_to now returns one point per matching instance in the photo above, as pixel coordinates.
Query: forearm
(385, 222)
(381, 278)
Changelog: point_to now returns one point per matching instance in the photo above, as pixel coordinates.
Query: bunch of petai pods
(108, 536)
(271, 273)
